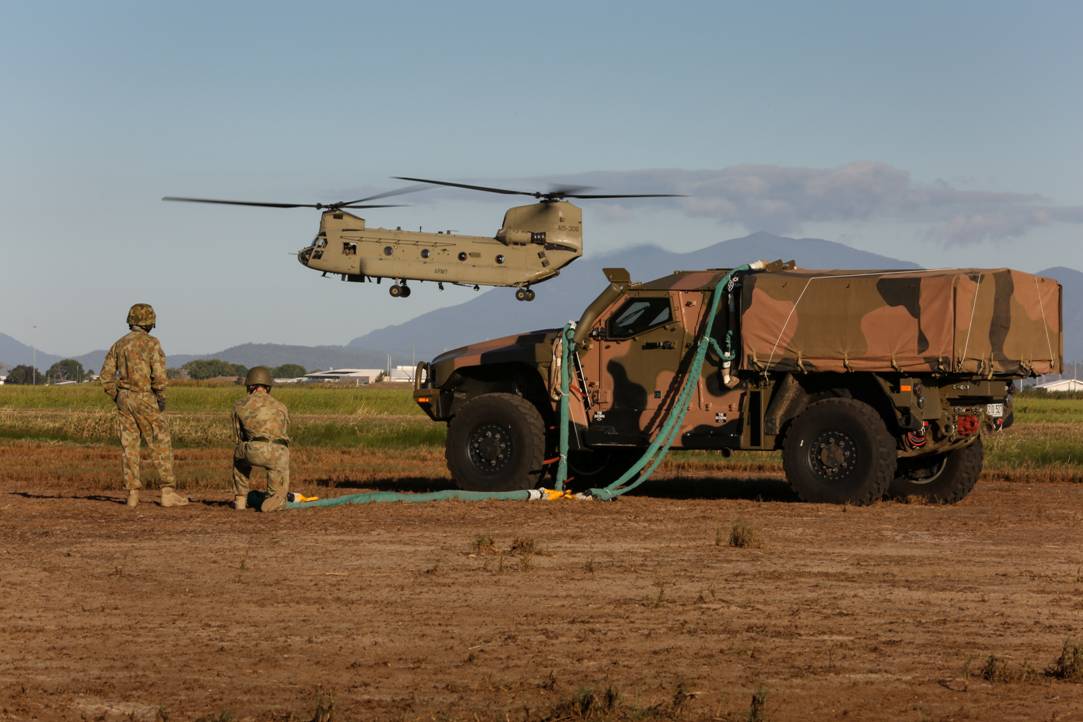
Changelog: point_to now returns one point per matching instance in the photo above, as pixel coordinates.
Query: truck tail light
(967, 424)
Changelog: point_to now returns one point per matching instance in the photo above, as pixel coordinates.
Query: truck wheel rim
(490, 447)
(832, 455)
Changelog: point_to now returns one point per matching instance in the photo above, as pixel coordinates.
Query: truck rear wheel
(839, 451)
(939, 478)
(496, 443)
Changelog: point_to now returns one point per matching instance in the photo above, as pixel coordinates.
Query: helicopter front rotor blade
(487, 189)
(368, 205)
(243, 203)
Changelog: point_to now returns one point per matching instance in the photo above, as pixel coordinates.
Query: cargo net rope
(637, 474)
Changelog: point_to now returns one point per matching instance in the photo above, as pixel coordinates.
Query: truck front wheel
(839, 451)
(939, 478)
(496, 443)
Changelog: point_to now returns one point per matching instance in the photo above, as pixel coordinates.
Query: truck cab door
(639, 350)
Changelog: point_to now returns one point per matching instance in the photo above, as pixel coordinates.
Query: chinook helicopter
(534, 242)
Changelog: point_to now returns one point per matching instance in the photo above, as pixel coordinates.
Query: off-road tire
(838, 451)
(496, 443)
(924, 477)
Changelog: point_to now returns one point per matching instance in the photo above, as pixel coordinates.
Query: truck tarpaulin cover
(981, 321)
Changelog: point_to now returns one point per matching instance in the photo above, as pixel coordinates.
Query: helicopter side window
(349, 249)
(637, 315)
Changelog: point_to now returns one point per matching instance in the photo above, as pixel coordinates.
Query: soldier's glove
(161, 403)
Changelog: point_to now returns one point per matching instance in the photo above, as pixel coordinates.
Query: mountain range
(494, 313)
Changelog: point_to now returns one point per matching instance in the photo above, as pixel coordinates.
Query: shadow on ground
(80, 497)
(753, 489)
(407, 484)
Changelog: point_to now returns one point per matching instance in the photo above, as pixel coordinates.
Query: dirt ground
(512, 610)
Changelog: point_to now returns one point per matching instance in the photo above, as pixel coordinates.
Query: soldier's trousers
(275, 458)
(138, 418)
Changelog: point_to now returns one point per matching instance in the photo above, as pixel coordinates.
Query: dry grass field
(710, 594)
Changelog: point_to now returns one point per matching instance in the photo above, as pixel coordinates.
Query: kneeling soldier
(261, 429)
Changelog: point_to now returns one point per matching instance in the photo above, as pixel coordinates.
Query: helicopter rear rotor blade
(552, 195)
(624, 195)
(487, 189)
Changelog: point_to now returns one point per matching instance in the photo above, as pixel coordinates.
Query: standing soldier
(261, 427)
(133, 375)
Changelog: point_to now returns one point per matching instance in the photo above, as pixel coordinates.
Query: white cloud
(780, 199)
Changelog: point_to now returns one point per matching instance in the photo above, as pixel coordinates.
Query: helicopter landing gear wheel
(399, 290)
(524, 294)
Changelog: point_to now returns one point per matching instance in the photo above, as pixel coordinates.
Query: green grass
(1039, 409)
(215, 430)
(1046, 439)
(308, 399)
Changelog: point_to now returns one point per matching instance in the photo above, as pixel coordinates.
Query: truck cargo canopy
(979, 321)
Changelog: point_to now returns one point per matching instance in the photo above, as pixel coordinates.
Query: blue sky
(944, 133)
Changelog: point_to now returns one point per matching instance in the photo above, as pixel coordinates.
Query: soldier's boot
(170, 497)
(133, 498)
(240, 503)
(274, 503)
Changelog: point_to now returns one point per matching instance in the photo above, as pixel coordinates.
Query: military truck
(872, 383)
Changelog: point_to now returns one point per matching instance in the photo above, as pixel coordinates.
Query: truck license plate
(994, 410)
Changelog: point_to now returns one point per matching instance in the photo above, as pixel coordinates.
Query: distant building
(400, 375)
(3, 379)
(347, 376)
(1061, 386)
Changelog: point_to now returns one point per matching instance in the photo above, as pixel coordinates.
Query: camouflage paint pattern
(633, 382)
(133, 375)
(971, 322)
(261, 432)
(975, 321)
(534, 348)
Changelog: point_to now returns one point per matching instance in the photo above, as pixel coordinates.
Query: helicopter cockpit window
(637, 315)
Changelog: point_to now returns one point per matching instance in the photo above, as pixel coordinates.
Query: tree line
(71, 370)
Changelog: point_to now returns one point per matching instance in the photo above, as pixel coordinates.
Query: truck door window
(637, 315)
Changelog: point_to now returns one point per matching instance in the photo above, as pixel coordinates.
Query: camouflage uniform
(133, 375)
(261, 430)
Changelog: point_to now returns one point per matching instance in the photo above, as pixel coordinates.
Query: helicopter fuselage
(534, 243)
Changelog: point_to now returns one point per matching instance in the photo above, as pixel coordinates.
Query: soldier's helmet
(141, 314)
(259, 376)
